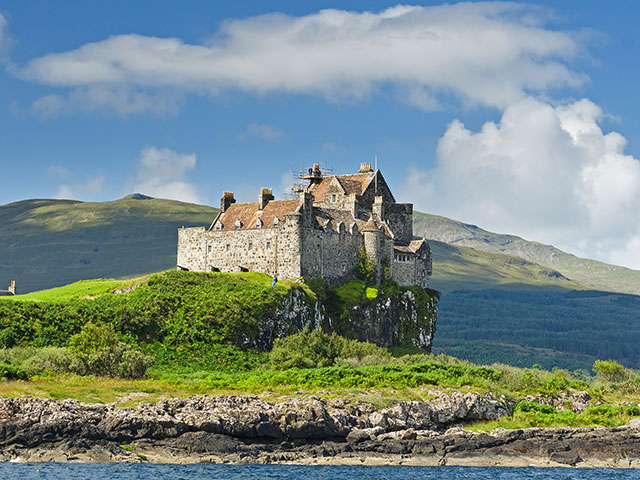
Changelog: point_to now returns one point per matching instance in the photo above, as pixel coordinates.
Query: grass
(78, 290)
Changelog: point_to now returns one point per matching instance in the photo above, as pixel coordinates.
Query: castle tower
(371, 233)
(12, 287)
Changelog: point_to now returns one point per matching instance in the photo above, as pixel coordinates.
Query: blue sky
(518, 117)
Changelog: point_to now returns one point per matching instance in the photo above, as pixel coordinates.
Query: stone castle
(319, 235)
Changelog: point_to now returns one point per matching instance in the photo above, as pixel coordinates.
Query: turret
(371, 233)
(226, 201)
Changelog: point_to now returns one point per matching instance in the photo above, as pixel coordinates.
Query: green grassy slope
(456, 267)
(596, 274)
(46, 243)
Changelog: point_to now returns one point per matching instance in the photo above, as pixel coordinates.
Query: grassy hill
(597, 275)
(456, 267)
(46, 243)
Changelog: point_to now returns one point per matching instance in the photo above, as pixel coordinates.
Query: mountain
(47, 243)
(594, 274)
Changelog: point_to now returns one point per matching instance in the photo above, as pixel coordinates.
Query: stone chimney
(12, 287)
(365, 167)
(377, 208)
(226, 200)
(266, 195)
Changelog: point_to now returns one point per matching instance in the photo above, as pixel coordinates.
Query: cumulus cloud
(486, 53)
(261, 131)
(162, 173)
(548, 173)
(87, 190)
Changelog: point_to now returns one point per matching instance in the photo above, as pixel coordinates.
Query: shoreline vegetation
(136, 346)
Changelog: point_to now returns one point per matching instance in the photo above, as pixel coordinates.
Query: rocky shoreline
(248, 429)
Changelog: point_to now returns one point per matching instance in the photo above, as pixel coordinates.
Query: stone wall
(404, 271)
(330, 255)
(399, 217)
(275, 251)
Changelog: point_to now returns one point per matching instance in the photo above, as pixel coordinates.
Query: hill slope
(47, 243)
(597, 275)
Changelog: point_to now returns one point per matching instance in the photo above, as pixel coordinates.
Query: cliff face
(405, 316)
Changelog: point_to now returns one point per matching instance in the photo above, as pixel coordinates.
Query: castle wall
(331, 255)
(275, 251)
(399, 217)
(404, 271)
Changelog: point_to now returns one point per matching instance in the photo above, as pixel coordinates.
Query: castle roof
(412, 247)
(249, 213)
(356, 183)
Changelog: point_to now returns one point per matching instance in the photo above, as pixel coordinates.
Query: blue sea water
(117, 471)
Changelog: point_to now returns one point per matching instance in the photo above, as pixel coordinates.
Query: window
(268, 245)
(250, 246)
(209, 248)
(228, 247)
(334, 198)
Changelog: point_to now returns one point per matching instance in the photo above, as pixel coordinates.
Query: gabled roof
(356, 183)
(248, 214)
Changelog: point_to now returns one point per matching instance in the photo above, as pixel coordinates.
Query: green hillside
(46, 243)
(456, 267)
(597, 275)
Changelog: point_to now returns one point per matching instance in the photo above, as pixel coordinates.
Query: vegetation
(567, 329)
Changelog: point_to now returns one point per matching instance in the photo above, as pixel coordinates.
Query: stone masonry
(319, 235)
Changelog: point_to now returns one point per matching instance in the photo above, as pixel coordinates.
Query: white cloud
(87, 190)
(162, 173)
(487, 53)
(547, 173)
(122, 100)
(261, 131)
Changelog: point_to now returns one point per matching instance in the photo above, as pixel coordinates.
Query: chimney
(365, 167)
(226, 200)
(266, 195)
(12, 287)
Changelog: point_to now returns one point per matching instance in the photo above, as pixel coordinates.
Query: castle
(319, 235)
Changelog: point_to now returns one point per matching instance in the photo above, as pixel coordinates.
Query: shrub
(309, 349)
(49, 359)
(13, 372)
(612, 371)
(98, 351)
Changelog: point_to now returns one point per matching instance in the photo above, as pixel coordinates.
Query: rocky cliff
(241, 429)
(407, 316)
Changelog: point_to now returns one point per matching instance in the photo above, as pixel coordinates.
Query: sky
(517, 117)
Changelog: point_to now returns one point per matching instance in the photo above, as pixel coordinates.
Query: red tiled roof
(248, 214)
(356, 183)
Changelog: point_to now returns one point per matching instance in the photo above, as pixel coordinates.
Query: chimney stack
(266, 195)
(365, 167)
(12, 287)
(226, 200)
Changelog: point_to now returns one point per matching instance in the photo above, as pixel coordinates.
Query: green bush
(98, 351)
(612, 371)
(309, 349)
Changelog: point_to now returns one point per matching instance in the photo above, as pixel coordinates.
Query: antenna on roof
(376, 176)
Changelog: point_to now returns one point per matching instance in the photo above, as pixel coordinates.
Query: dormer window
(259, 223)
(276, 221)
(238, 224)
(220, 226)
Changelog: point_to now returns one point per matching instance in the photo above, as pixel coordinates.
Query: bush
(13, 372)
(98, 351)
(309, 349)
(612, 371)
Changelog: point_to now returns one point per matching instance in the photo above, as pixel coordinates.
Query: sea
(116, 471)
